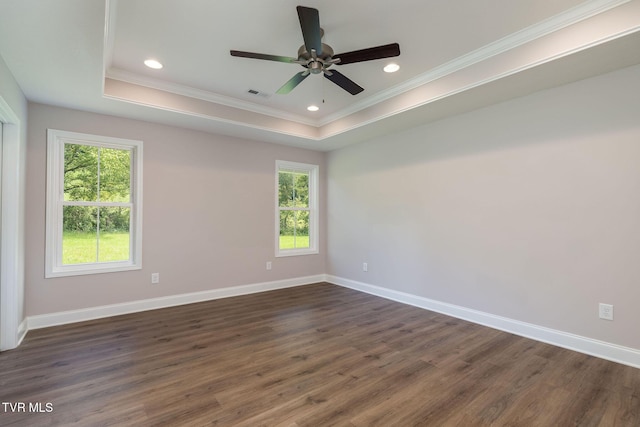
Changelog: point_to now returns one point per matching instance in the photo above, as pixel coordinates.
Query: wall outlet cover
(605, 311)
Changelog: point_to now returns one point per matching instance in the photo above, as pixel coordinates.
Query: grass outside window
(293, 242)
(81, 247)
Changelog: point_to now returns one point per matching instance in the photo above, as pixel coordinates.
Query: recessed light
(313, 108)
(391, 68)
(152, 63)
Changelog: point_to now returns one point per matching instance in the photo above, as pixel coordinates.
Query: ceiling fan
(318, 57)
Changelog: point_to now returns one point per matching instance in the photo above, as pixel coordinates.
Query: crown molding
(532, 33)
(482, 82)
(191, 92)
(120, 90)
(512, 41)
(109, 72)
(110, 13)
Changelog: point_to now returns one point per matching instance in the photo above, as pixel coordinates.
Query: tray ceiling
(455, 56)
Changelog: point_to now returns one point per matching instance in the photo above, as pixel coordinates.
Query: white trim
(479, 83)
(56, 139)
(110, 13)
(109, 94)
(12, 229)
(592, 347)
(555, 23)
(109, 72)
(73, 316)
(204, 95)
(604, 350)
(22, 331)
(584, 11)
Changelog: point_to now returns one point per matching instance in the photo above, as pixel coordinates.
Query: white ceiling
(456, 55)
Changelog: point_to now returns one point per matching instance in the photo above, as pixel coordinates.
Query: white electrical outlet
(268, 265)
(606, 311)
(365, 267)
(155, 278)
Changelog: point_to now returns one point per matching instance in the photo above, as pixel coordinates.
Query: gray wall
(208, 214)
(528, 209)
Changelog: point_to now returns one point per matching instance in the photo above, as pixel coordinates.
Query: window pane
(294, 230)
(285, 189)
(302, 229)
(114, 234)
(301, 190)
(79, 234)
(115, 175)
(287, 229)
(80, 172)
(293, 189)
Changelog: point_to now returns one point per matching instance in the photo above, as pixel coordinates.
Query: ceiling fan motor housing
(316, 63)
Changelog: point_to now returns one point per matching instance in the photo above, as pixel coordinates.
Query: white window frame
(56, 140)
(313, 171)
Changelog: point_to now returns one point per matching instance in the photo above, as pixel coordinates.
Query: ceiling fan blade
(263, 56)
(310, 25)
(378, 52)
(344, 82)
(293, 82)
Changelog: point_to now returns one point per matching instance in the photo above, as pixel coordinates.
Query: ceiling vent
(258, 93)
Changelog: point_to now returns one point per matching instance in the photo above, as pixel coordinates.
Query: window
(297, 208)
(94, 204)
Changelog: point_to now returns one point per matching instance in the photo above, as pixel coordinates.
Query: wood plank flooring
(317, 355)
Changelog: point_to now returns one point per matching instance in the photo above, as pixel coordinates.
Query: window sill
(81, 270)
(296, 252)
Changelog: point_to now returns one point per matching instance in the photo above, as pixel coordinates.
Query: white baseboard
(65, 317)
(601, 349)
(22, 331)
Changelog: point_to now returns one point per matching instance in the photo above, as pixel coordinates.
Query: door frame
(12, 324)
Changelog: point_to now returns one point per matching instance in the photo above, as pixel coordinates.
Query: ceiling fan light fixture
(391, 68)
(152, 63)
(313, 108)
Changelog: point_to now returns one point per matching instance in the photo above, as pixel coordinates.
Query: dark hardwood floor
(317, 355)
